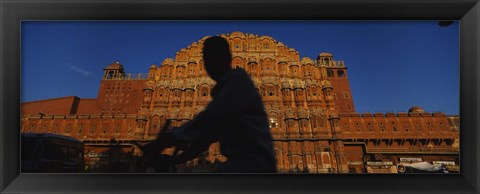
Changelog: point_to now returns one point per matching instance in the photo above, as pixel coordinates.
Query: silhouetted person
(235, 117)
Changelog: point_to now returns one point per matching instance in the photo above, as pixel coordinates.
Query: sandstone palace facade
(308, 101)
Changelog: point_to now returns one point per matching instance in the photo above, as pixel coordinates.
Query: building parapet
(36, 116)
(334, 64)
(355, 114)
(439, 114)
(129, 76)
(71, 116)
(119, 116)
(107, 116)
(47, 117)
(391, 114)
(59, 116)
(83, 116)
(367, 114)
(426, 114)
(414, 114)
(131, 116)
(95, 116)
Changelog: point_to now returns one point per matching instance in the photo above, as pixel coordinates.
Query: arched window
(273, 121)
(321, 121)
(204, 90)
(314, 90)
(270, 90)
(290, 123)
(303, 123)
(154, 126)
(176, 93)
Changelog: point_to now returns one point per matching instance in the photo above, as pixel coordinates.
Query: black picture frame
(12, 12)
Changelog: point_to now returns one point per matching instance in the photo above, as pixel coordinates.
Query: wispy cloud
(77, 69)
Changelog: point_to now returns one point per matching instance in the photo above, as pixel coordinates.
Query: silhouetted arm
(193, 150)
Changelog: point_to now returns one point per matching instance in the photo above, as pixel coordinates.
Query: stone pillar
(141, 124)
(339, 152)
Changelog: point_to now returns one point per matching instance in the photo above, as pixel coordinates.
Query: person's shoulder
(243, 77)
(241, 72)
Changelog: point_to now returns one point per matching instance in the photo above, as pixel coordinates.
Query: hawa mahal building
(308, 101)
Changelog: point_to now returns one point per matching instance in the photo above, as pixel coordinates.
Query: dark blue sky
(392, 65)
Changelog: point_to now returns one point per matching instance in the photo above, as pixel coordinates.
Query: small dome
(237, 34)
(306, 60)
(416, 109)
(115, 65)
(297, 84)
(293, 64)
(168, 61)
(252, 60)
(266, 37)
(285, 84)
(325, 54)
(153, 66)
(326, 84)
(181, 65)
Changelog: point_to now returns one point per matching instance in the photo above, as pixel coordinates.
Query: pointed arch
(269, 89)
(203, 90)
(154, 127)
(274, 119)
(238, 62)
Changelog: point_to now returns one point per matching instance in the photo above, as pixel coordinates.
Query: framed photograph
(358, 96)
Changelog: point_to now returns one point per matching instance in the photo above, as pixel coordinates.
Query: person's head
(216, 56)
